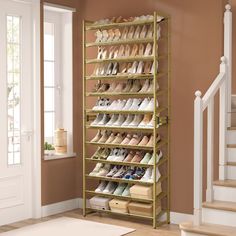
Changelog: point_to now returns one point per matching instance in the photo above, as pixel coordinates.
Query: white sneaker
(147, 175)
(110, 188)
(136, 121)
(113, 105)
(113, 171)
(144, 104)
(120, 105)
(104, 106)
(135, 105)
(128, 104)
(158, 175)
(128, 120)
(119, 121)
(113, 154)
(104, 120)
(113, 119)
(158, 157)
(101, 187)
(96, 169)
(122, 154)
(145, 87)
(98, 104)
(104, 170)
(150, 106)
(97, 120)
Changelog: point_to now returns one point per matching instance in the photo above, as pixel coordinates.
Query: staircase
(217, 215)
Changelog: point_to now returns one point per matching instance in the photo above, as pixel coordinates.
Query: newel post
(198, 142)
(228, 55)
(223, 121)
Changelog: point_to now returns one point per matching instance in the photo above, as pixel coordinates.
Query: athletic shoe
(120, 188)
(101, 187)
(158, 157)
(146, 158)
(96, 169)
(110, 188)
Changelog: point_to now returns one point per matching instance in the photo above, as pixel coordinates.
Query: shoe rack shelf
(161, 116)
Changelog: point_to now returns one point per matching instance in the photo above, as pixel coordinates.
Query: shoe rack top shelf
(159, 197)
(162, 178)
(122, 163)
(90, 111)
(123, 59)
(124, 76)
(136, 147)
(92, 26)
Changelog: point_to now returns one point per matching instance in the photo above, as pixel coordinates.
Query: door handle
(27, 133)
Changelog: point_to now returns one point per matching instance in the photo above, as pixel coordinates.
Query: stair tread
(208, 229)
(220, 205)
(226, 183)
(231, 163)
(231, 145)
(232, 128)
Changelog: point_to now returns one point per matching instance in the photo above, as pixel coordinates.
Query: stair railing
(221, 84)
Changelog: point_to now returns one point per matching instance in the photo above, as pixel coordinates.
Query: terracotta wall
(196, 48)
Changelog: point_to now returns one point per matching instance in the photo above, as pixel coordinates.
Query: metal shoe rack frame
(164, 216)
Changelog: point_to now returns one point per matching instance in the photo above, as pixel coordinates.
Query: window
(58, 101)
(51, 81)
(13, 88)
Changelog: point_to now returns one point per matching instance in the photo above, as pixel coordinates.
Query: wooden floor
(142, 228)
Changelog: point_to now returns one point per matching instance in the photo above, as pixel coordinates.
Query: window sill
(59, 156)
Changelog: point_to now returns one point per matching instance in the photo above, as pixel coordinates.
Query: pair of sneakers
(101, 153)
(149, 175)
(100, 170)
(117, 154)
(106, 187)
(102, 104)
(150, 158)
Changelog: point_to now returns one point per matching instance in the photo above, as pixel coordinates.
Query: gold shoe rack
(161, 115)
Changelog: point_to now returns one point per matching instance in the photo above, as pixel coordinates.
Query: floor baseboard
(60, 207)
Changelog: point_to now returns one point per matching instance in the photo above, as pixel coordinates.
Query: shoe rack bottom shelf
(91, 210)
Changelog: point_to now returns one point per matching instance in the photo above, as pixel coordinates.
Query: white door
(15, 111)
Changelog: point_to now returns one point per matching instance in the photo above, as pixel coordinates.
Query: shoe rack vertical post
(169, 116)
(155, 119)
(84, 118)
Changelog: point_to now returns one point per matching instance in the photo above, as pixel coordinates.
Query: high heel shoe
(103, 69)
(121, 51)
(137, 32)
(98, 35)
(111, 52)
(109, 68)
(117, 35)
(148, 50)
(141, 50)
(134, 51)
(133, 68)
(111, 35)
(105, 35)
(128, 86)
(143, 32)
(131, 32)
(127, 50)
(147, 67)
(100, 51)
(115, 68)
(136, 86)
(150, 32)
(123, 68)
(140, 67)
(124, 33)
(152, 69)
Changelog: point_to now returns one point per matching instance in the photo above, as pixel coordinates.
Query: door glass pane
(49, 73)
(49, 126)
(49, 99)
(13, 88)
(48, 41)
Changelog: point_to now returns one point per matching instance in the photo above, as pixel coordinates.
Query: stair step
(220, 205)
(230, 163)
(231, 145)
(232, 128)
(208, 229)
(225, 183)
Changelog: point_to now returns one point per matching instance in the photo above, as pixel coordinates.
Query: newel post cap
(228, 7)
(223, 59)
(198, 93)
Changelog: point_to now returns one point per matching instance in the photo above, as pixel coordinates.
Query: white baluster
(228, 55)
(222, 123)
(198, 140)
(210, 150)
